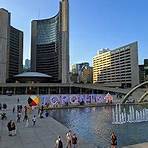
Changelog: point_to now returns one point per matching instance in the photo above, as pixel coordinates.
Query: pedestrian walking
(9, 128)
(25, 117)
(18, 100)
(69, 139)
(19, 116)
(59, 143)
(13, 110)
(113, 140)
(74, 141)
(34, 120)
(46, 113)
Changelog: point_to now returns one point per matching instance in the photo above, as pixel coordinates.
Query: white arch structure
(143, 96)
(132, 90)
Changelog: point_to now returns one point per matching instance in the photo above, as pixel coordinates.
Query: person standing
(27, 123)
(9, 127)
(113, 140)
(19, 116)
(59, 143)
(13, 109)
(18, 100)
(69, 139)
(74, 141)
(46, 113)
(25, 117)
(34, 120)
(4, 106)
(13, 127)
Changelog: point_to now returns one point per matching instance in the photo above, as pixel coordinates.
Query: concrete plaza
(142, 145)
(43, 135)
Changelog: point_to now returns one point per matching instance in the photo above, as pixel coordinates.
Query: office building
(146, 69)
(77, 70)
(27, 65)
(141, 74)
(118, 68)
(11, 48)
(50, 45)
(87, 75)
(143, 71)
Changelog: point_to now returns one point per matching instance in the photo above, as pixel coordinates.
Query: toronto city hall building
(50, 45)
(11, 48)
(118, 67)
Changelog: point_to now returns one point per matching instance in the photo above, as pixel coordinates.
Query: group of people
(11, 124)
(71, 141)
(71, 138)
(41, 112)
(26, 118)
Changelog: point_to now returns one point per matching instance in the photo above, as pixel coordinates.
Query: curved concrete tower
(50, 45)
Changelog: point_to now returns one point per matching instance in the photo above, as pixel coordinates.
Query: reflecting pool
(96, 124)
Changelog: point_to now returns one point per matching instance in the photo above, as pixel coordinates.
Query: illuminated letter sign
(88, 98)
(64, 99)
(54, 100)
(73, 99)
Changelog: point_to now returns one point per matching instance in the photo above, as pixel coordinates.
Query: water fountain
(120, 116)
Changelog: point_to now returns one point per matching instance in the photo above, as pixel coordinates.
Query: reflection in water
(95, 124)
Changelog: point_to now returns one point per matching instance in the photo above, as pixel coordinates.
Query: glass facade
(47, 30)
(16, 43)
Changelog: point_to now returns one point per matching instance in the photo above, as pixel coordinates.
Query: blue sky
(94, 24)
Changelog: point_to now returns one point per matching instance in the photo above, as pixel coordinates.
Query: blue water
(95, 126)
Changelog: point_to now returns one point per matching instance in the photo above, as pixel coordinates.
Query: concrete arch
(132, 90)
(143, 96)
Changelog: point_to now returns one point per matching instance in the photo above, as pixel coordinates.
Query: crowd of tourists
(71, 141)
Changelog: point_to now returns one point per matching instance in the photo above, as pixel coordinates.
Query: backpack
(60, 145)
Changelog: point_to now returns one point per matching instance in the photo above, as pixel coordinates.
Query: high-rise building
(141, 73)
(50, 45)
(27, 64)
(146, 69)
(26, 67)
(117, 67)
(11, 48)
(78, 68)
(87, 75)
